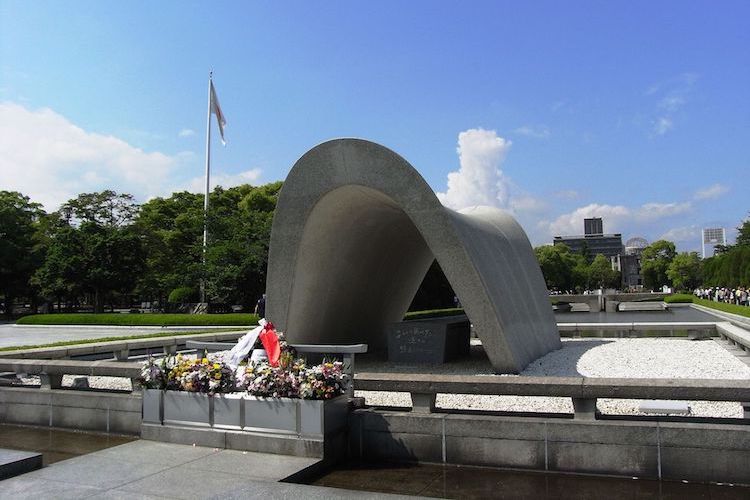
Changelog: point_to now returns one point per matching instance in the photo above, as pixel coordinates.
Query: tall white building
(713, 237)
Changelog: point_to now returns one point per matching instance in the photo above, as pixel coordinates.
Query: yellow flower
(204, 361)
(217, 376)
(217, 366)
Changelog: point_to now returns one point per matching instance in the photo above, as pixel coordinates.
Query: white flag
(216, 109)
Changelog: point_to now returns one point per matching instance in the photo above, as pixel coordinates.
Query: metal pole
(205, 200)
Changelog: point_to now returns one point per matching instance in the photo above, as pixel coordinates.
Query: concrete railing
(583, 391)
(51, 371)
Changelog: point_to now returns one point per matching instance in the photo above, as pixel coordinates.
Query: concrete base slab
(13, 462)
(147, 470)
(235, 440)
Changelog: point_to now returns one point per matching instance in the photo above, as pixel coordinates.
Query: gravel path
(627, 358)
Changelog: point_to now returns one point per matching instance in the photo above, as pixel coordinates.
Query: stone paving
(152, 470)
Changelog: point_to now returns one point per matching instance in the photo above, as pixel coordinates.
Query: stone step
(14, 463)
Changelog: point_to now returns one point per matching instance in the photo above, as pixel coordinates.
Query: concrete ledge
(672, 450)
(104, 412)
(234, 440)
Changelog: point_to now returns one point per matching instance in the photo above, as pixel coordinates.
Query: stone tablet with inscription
(428, 341)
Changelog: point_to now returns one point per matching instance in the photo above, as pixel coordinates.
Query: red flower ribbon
(270, 342)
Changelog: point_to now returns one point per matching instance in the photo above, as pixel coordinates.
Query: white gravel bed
(611, 358)
(110, 383)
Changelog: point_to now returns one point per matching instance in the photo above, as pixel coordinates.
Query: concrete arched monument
(355, 230)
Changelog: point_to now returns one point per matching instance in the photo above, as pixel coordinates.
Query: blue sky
(637, 112)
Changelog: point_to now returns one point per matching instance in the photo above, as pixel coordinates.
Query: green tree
(685, 271)
(106, 208)
(655, 261)
(172, 232)
(19, 252)
(743, 233)
(601, 274)
(92, 249)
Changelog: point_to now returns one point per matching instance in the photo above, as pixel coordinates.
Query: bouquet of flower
(155, 372)
(324, 381)
(200, 375)
(293, 379)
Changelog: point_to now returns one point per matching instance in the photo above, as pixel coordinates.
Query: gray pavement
(150, 470)
(17, 335)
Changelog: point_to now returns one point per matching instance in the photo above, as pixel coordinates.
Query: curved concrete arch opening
(372, 259)
(355, 230)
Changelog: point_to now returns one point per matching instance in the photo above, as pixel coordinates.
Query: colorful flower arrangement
(282, 376)
(293, 379)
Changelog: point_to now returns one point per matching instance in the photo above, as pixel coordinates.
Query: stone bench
(641, 306)
(51, 371)
(432, 340)
(736, 335)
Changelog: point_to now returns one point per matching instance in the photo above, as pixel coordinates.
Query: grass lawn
(721, 306)
(108, 339)
(146, 319)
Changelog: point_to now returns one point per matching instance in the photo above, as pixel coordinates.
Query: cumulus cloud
(711, 192)
(683, 234)
(617, 218)
(198, 184)
(50, 159)
(479, 180)
(186, 132)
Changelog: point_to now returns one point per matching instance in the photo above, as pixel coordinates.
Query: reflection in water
(449, 481)
(55, 444)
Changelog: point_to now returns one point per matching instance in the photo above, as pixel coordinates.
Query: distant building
(593, 226)
(593, 241)
(629, 263)
(713, 237)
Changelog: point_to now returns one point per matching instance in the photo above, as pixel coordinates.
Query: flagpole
(205, 199)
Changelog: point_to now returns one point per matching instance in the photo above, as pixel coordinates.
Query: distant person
(260, 306)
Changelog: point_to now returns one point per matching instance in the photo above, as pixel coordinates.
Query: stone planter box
(238, 411)
(188, 408)
(301, 417)
(153, 406)
(228, 411)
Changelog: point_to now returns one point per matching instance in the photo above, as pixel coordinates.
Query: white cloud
(671, 97)
(198, 184)
(567, 194)
(683, 234)
(617, 218)
(652, 211)
(662, 125)
(48, 158)
(541, 132)
(479, 180)
(186, 132)
(711, 192)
